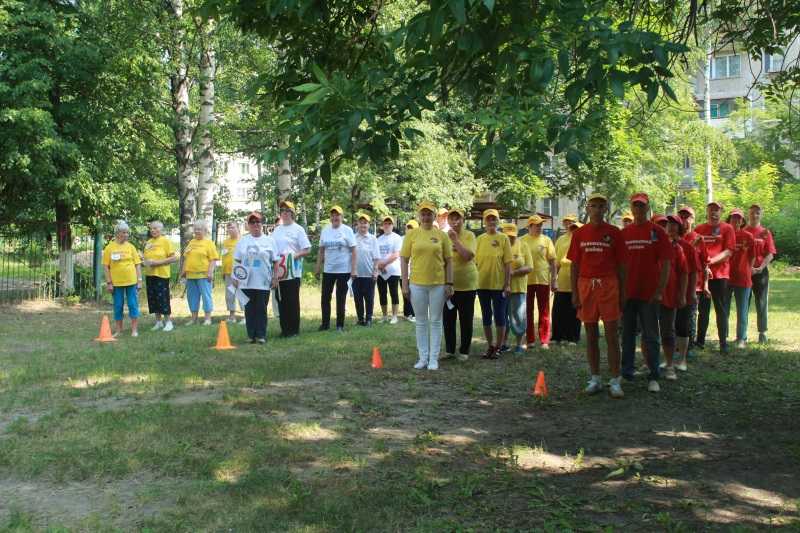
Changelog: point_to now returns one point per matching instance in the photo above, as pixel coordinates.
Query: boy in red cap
(740, 282)
(648, 259)
(598, 280)
(686, 214)
(674, 293)
(694, 271)
(720, 240)
(764, 251)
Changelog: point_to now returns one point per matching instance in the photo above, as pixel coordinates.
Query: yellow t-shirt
(542, 252)
(158, 249)
(465, 273)
(228, 246)
(521, 257)
(197, 258)
(427, 251)
(121, 259)
(492, 254)
(563, 264)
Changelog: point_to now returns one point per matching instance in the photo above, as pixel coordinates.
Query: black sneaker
(252, 341)
(503, 348)
(321, 328)
(723, 349)
(362, 323)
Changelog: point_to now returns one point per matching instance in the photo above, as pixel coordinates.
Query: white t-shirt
(252, 262)
(337, 243)
(387, 245)
(291, 238)
(366, 254)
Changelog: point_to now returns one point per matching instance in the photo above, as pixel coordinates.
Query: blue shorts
(493, 303)
(130, 293)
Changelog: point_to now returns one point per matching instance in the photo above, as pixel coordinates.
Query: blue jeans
(517, 313)
(646, 315)
(130, 293)
(195, 288)
(742, 295)
(493, 303)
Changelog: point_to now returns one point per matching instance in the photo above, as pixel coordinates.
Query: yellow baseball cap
(535, 219)
(390, 218)
(287, 204)
(597, 196)
(509, 229)
(442, 211)
(364, 216)
(460, 212)
(413, 224)
(576, 224)
(571, 218)
(491, 212)
(336, 209)
(426, 204)
(627, 215)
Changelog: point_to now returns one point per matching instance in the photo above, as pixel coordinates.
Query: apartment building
(239, 175)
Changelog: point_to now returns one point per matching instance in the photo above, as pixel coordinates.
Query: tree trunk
(207, 181)
(182, 123)
(66, 259)
(284, 180)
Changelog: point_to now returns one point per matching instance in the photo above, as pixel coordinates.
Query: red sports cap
(714, 202)
(737, 213)
(640, 197)
(686, 208)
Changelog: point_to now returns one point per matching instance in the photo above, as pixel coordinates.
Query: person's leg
(420, 301)
(518, 317)
(283, 308)
(692, 325)
(500, 306)
(118, 296)
(208, 300)
(230, 297)
(153, 308)
(266, 313)
(193, 297)
(260, 314)
(394, 293)
(629, 321)
(294, 305)
(369, 298)
(485, 300)
(251, 309)
(612, 344)
(341, 298)
(558, 328)
(593, 348)
(382, 299)
(436, 306)
(742, 295)
(682, 334)
(466, 315)
(703, 318)
(359, 298)
(761, 295)
(666, 326)
(530, 304)
(132, 295)
(721, 300)
(543, 301)
(449, 317)
(648, 320)
(328, 282)
(408, 307)
(575, 332)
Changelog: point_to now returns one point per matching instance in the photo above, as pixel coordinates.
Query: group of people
(656, 277)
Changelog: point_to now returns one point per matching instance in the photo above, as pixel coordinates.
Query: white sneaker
(412, 319)
(653, 386)
(570, 343)
(545, 346)
(683, 367)
(207, 322)
(615, 388)
(134, 333)
(594, 386)
(191, 322)
(433, 364)
(243, 321)
(168, 326)
(116, 334)
(462, 357)
(158, 325)
(393, 320)
(422, 363)
(644, 370)
(384, 319)
(741, 344)
(663, 364)
(669, 373)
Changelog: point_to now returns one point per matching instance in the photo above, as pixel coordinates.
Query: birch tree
(207, 183)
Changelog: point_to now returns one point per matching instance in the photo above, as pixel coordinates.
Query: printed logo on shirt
(715, 230)
(148, 246)
(434, 240)
(654, 235)
(607, 238)
(495, 243)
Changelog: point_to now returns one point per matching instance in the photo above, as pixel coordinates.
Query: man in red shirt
(720, 241)
(648, 257)
(686, 214)
(765, 252)
(694, 271)
(740, 281)
(674, 293)
(598, 281)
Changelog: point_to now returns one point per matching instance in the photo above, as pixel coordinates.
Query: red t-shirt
(764, 243)
(693, 264)
(741, 274)
(696, 240)
(717, 239)
(597, 250)
(646, 246)
(677, 268)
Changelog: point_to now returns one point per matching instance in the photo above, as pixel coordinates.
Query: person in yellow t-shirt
(429, 283)
(199, 260)
(226, 252)
(461, 305)
(123, 271)
(158, 255)
(493, 257)
(541, 281)
(566, 326)
(521, 265)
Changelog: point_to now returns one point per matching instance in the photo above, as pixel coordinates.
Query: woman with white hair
(158, 255)
(199, 260)
(123, 277)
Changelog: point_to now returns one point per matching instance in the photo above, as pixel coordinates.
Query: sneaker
(116, 334)
(663, 364)
(361, 323)
(644, 370)
(339, 329)
(653, 386)
(207, 322)
(519, 350)
(422, 363)
(433, 364)
(168, 326)
(191, 322)
(615, 388)
(462, 357)
(448, 356)
(158, 325)
(572, 343)
(545, 346)
(261, 341)
(134, 333)
(252, 341)
(723, 349)
(368, 323)
(490, 353)
(741, 345)
(503, 348)
(243, 321)
(384, 319)
(411, 318)
(762, 338)
(323, 328)
(393, 320)
(594, 386)
(670, 374)
(683, 367)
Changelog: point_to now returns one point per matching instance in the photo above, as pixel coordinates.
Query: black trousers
(391, 284)
(463, 310)
(289, 306)
(566, 326)
(408, 310)
(722, 309)
(158, 295)
(255, 313)
(328, 282)
(364, 295)
(761, 297)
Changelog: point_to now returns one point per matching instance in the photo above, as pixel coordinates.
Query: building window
(721, 108)
(243, 193)
(726, 67)
(687, 163)
(773, 62)
(550, 206)
(244, 169)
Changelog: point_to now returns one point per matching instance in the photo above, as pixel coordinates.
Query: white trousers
(428, 302)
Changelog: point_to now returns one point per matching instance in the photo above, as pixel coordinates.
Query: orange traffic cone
(377, 362)
(540, 389)
(105, 331)
(223, 341)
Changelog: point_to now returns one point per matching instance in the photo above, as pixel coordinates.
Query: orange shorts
(599, 299)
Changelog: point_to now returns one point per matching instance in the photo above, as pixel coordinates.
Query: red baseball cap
(714, 202)
(736, 213)
(756, 206)
(640, 197)
(675, 219)
(658, 219)
(686, 208)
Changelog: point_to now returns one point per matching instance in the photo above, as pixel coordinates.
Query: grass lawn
(162, 433)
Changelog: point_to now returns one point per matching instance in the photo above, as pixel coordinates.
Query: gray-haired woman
(158, 255)
(199, 260)
(123, 276)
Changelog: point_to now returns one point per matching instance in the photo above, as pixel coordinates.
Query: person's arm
(138, 275)
(663, 276)
(404, 275)
(465, 253)
(212, 264)
(320, 261)
(448, 277)
(682, 284)
(553, 273)
(573, 283)
(622, 276)
(109, 282)
(691, 282)
(353, 262)
(720, 257)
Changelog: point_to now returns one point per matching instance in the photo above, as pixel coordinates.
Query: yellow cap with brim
(365, 216)
(390, 218)
(491, 212)
(597, 196)
(627, 215)
(425, 204)
(535, 220)
(336, 209)
(571, 218)
(509, 229)
(413, 224)
(442, 211)
(576, 224)
(459, 212)
(287, 204)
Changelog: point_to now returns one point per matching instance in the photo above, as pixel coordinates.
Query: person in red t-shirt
(598, 281)
(648, 255)
(765, 251)
(694, 270)
(686, 214)
(720, 241)
(741, 281)
(674, 293)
